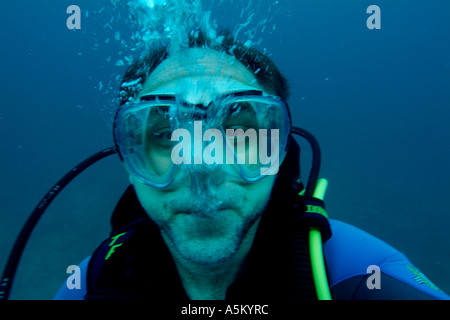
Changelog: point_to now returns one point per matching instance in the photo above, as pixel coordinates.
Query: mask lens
(158, 144)
(257, 130)
(144, 132)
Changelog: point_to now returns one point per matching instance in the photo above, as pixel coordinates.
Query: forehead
(197, 72)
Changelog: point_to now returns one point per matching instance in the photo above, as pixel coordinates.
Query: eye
(241, 116)
(162, 137)
(236, 126)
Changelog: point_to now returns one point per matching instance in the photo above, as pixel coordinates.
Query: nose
(203, 157)
(205, 178)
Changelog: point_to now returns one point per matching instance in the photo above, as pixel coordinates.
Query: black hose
(316, 159)
(16, 253)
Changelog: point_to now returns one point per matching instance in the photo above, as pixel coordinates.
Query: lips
(202, 211)
(228, 196)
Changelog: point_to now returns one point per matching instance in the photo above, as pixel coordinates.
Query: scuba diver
(208, 216)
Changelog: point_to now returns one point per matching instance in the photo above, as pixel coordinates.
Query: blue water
(377, 100)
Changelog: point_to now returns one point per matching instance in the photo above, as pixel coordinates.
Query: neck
(211, 281)
(205, 282)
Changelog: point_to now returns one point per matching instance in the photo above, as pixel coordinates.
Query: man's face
(205, 215)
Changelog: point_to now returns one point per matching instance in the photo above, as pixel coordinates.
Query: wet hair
(266, 72)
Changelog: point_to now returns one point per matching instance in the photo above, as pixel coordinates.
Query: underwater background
(377, 100)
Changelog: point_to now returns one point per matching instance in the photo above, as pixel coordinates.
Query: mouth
(185, 202)
(204, 212)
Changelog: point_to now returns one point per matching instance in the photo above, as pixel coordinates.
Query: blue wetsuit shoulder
(350, 252)
(64, 293)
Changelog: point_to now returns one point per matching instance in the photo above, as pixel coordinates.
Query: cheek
(158, 159)
(152, 200)
(258, 194)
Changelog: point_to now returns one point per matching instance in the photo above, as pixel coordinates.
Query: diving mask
(244, 133)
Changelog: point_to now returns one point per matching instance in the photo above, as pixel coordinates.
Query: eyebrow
(153, 97)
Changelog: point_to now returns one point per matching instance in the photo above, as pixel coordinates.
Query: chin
(208, 252)
(208, 240)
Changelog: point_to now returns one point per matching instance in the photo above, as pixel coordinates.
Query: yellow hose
(316, 252)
